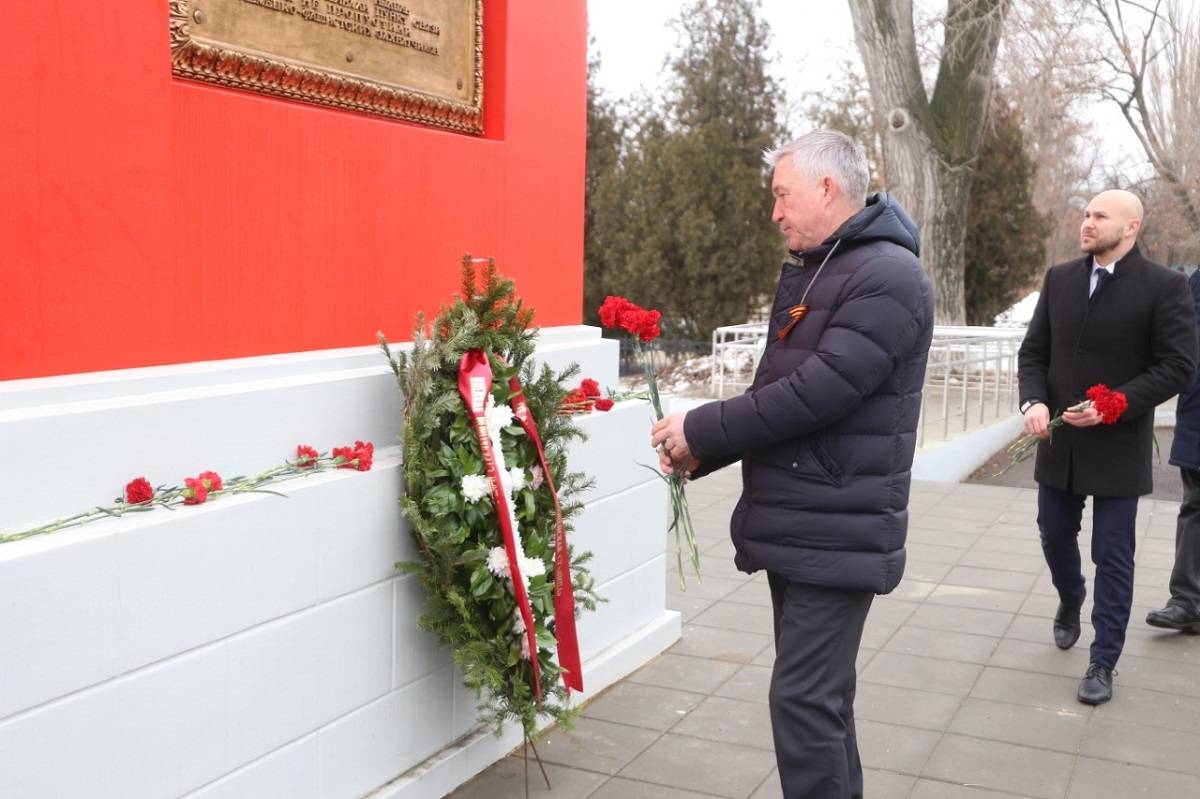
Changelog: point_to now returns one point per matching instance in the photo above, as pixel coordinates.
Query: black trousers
(1113, 518)
(817, 633)
(1185, 577)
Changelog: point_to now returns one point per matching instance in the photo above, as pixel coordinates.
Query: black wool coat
(827, 431)
(1137, 335)
(1185, 449)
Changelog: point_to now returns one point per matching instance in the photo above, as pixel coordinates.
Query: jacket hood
(882, 219)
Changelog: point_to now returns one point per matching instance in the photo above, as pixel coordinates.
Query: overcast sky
(634, 37)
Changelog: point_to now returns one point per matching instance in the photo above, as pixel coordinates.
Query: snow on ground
(1020, 314)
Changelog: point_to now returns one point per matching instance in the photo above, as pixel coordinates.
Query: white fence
(971, 379)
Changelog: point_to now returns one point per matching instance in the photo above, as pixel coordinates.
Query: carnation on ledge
(1108, 403)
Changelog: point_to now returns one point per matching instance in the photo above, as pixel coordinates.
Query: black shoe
(1096, 686)
(1174, 617)
(1066, 626)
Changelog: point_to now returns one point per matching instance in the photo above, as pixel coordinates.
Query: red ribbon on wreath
(475, 380)
(564, 592)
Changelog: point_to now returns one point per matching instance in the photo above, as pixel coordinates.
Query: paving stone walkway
(961, 690)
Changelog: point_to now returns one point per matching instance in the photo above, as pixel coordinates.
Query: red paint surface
(146, 219)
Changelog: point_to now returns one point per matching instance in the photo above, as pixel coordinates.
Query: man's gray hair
(827, 152)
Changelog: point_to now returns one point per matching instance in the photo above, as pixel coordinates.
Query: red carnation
(644, 324)
(359, 457)
(612, 309)
(1108, 403)
(138, 490)
(306, 456)
(603, 404)
(590, 387)
(364, 454)
(211, 480)
(575, 397)
(195, 493)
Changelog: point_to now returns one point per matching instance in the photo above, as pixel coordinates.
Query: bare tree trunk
(929, 146)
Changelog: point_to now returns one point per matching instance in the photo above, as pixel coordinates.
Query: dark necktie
(1102, 275)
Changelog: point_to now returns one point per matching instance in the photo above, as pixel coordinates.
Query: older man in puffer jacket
(826, 436)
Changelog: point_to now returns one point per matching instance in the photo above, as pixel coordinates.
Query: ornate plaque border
(230, 67)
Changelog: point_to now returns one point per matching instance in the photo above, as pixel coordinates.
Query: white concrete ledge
(259, 646)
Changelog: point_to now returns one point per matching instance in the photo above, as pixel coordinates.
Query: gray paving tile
(886, 784)
(1027, 688)
(1044, 657)
(908, 671)
(958, 619)
(766, 657)
(925, 570)
(1154, 708)
(1000, 766)
(689, 605)
(1011, 561)
(702, 766)
(1058, 729)
(942, 538)
(934, 789)
(889, 747)
(734, 616)
(913, 589)
(506, 780)
(977, 577)
(1040, 629)
(751, 684)
(992, 541)
(935, 519)
(942, 644)
(892, 704)
(935, 553)
(685, 673)
(1156, 747)
(770, 788)
(595, 745)
(710, 587)
(984, 599)
(891, 609)
(730, 721)
(1101, 779)
(649, 706)
(752, 593)
(621, 788)
(1159, 675)
(734, 646)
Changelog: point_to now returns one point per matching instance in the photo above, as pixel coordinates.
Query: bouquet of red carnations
(1108, 403)
(618, 313)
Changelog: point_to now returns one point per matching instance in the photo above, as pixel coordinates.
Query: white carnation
(497, 562)
(524, 647)
(538, 478)
(518, 622)
(498, 417)
(516, 478)
(532, 567)
(475, 487)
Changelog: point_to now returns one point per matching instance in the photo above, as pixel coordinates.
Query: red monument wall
(146, 219)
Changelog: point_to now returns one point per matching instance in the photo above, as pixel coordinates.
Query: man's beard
(1100, 246)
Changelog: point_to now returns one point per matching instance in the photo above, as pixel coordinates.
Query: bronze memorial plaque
(419, 60)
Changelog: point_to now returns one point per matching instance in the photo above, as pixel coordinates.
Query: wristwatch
(1027, 404)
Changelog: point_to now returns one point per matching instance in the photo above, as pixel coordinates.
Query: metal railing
(735, 353)
(970, 380)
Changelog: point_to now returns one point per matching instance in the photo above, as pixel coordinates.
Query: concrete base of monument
(258, 645)
(475, 751)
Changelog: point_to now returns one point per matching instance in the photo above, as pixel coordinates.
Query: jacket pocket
(826, 464)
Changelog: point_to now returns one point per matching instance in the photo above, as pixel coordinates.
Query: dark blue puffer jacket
(1185, 450)
(827, 431)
